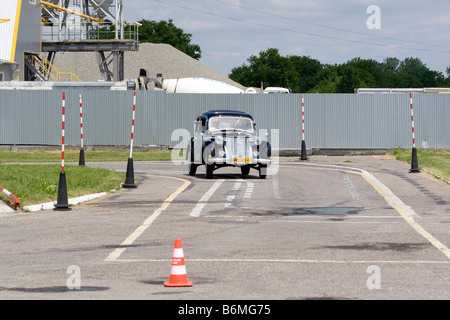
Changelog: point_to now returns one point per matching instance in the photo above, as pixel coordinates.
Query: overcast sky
(230, 31)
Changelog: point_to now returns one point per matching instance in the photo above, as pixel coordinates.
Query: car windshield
(220, 123)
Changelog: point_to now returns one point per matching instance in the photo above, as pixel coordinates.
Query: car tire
(245, 170)
(192, 168)
(209, 169)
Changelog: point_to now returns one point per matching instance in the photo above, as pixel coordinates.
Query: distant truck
(277, 90)
(195, 85)
(200, 85)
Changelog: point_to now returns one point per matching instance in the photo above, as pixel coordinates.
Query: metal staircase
(38, 68)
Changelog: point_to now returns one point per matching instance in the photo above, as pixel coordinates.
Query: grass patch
(35, 184)
(435, 161)
(90, 156)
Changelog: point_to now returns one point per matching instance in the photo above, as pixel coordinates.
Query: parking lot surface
(357, 227)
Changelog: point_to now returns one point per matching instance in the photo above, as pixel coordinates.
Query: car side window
(203, 124)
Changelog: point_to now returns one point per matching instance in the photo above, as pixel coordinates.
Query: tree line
(304, 74)
(156, 32)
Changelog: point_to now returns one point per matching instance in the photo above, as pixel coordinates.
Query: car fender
(265, 150)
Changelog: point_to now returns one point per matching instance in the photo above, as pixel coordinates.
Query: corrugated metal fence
(332, 121)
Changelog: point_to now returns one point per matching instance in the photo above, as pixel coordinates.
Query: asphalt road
(359, 227)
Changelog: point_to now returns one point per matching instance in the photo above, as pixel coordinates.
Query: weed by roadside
(435, 161)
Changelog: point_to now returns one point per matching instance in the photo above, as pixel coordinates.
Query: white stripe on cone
(178, 270)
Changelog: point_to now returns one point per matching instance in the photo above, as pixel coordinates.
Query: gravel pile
(155, 58)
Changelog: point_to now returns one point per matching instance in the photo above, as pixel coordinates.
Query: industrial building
(20, 37)
(66, 41)
(33, 32)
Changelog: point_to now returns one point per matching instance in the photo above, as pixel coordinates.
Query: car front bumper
(237, 161)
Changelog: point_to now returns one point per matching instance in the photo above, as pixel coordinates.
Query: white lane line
(233, 194)
(333, 222)
(405, 211)
(235, 190)
(276, 187)
(351, 187)
(384, 191)
(202, 202)
(132, 237)
(294, 261)
(249, 190)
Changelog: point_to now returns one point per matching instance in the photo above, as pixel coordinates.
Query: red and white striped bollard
(62, 202)
(81, 161)
(303, 156)
(9, 194)
(414, 161)
(129, 180)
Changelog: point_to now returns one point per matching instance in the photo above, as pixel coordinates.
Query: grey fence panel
(32, 117)
(332, 121)
(432, 120)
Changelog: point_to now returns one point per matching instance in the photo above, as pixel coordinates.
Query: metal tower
(89, 25)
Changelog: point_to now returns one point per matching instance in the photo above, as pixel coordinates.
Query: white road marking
(294, 261)
(132, 237)
(235, 190)
(202, 202)
(405, 211)
(276, 187)
(333, 221)
(233, 194)
(351, 187)
(249, 190)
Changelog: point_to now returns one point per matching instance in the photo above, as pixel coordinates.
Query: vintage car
(224, 138)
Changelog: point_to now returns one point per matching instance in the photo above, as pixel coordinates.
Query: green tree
(416, 68)
(350, 80)
(166, 32)
(413, 66)
(269, 67)
(345, 78)
(390, 65)
(306, 69)
(157, 32)
(327, 80)
(274, 70)
(304, 74)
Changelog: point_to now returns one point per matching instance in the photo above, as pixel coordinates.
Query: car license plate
(242, 160)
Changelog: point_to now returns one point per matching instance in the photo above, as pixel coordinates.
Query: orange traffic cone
(178, 276)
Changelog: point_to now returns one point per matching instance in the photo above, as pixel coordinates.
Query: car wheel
(192, 169)
(209, 168)
(245, 170)
(262, 171)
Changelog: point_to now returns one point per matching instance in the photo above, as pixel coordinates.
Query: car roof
(213, 113)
